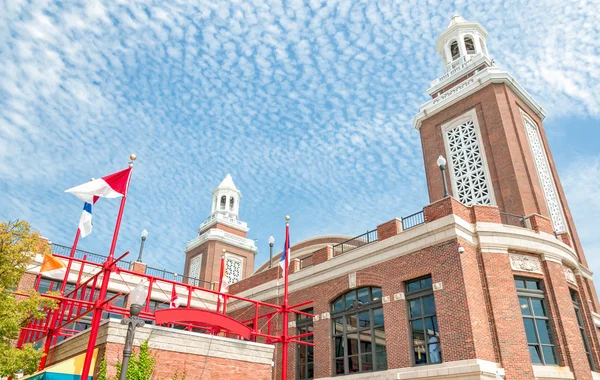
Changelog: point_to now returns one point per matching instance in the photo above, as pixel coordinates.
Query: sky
(308, 104)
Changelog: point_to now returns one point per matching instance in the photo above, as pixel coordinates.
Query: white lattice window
(468, 169)
(544, 174)
(195, 264)
(233, 269)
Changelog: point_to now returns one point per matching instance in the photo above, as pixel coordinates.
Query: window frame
(414, 295)
(356, 308)
(538, 294)
(304, 322)
(586, 343)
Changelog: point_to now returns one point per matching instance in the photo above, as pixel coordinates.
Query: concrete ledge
(549, 372)
(463, 369)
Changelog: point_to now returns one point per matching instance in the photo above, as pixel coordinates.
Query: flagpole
(284, 343)
(98, 304)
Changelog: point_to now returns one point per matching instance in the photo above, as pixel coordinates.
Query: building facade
(487, 282)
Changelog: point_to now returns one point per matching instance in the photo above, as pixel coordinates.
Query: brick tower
(222, 234)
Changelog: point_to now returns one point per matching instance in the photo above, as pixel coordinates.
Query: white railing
(455, 67)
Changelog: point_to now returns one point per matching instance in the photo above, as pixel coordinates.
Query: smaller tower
(461, 42)
(226, 199)
(221, 235)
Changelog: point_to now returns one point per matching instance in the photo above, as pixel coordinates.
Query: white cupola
(461, 42)
(226, 199)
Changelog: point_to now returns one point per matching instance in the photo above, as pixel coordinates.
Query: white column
(461, 46)
(448, 55)
(477, 44)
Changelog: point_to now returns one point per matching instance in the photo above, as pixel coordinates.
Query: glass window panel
(426, 283)
(415, 308)
(520, 284)
(432, 326)
(310, 371)
(380, 338)
(338, 305)
(376, 293)
(420, 352)
(417, 327)
(530, 330)
(531, 284)
(302, 371)
(535, 355)
(428, 305)
(538, 307)
(524, 302)
(548, 354)
(352, 343)
(351, 322)
(339, 366)
(381, 360)
(339, 326)
(350, 298)
(339, 347)
(353, 365)
(364, 319)
(378, 317)
(412, 286)
(543, 331)
(435, 350)
(310, 351)
(367, 362)
(301, 353)
(363, 295)
(365, 341)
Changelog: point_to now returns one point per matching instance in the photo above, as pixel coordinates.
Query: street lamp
(271, 244)
(137, 298)
(441, 161)
(144, 236)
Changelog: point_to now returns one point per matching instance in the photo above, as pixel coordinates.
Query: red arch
(178, 314)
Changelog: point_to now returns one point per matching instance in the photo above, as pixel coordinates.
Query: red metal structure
(254, 319)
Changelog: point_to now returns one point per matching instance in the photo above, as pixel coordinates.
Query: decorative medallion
(570, 275)
(525, 263)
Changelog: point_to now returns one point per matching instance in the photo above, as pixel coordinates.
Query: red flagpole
(221, 273)
(98, 305)
(284, 310)
(50, 334)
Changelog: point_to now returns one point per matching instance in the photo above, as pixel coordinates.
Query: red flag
(174, 298)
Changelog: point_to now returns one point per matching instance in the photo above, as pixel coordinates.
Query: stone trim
(525, 263)
(548, 372)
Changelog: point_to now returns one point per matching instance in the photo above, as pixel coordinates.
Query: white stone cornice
(223, 219)
(585, 272)
(492, 74)
(222, 236)
(596, 318)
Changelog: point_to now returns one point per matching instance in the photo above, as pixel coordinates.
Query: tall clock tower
(489, 128)
(221, 235)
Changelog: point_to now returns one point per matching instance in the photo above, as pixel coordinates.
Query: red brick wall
(322, 255)
(389, 229)
(225, 228)
(486, 214)
(445, 207)
(541, 223)
(169, 363)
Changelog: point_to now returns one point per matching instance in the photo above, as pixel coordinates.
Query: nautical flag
(174, 298)
(111, 186)
(224, 285)
(53, 267)
(85, 221)
(284, 263)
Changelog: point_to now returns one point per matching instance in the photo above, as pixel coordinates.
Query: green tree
(18, 247)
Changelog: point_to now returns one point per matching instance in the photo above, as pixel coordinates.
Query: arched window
(231, 203)
(483, 48)
(358, 332)
(470, 45)
(454, 51)
(223, 202)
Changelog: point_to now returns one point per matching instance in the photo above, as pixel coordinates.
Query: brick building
(488, 281)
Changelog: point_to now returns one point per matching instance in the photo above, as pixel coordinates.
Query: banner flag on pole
(111, 186)
(53, 267)
(284, 263)
(85, 221)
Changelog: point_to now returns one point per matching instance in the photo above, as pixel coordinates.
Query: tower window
(233, 269)
(358, 332)
(470, 45)
(231, 203)
(536, 320)
(544, 174)
(223, 202)
(469, 172)
(454, 51)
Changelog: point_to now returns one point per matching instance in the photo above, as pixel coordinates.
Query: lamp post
(271, 244)
(144, 236)
(137, 298)
(441, 161)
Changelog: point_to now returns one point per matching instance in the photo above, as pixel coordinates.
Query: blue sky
(308, 104)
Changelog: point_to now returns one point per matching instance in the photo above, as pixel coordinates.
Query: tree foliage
(18, 247)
